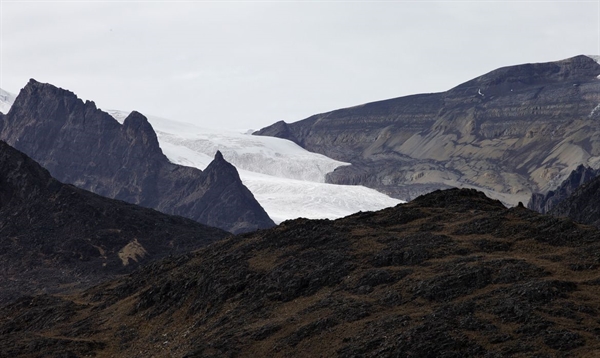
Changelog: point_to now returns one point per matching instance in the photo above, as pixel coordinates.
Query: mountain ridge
(54, 236)
(511, 132)
(452, 273)
(84, 146)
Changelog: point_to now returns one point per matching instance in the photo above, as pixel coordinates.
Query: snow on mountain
(6, 100)
(286, 179)
(266, 155)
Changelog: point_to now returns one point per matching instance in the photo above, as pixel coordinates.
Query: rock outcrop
(582, 205)
(450, 274)
(511, 132)
(54, 236)
(84, 146)
(543, 203)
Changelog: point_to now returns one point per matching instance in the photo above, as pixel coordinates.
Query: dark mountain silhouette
(543, 203)
(451, 274)
(54, 237)
(583, 205)
(84, 146)
(510, 132)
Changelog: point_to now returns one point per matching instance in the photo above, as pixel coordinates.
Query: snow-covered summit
(286, 179)
(6, 100)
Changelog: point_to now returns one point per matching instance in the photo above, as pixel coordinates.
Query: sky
(247, 64)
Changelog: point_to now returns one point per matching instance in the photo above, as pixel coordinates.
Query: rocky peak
(84, 146)
(221, 167)
(544, 203)
(219, 156)
(582, 203)
(222, 180)
(137, 128)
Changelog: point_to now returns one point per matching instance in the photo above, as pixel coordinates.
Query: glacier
(287, 180)
(6, 101)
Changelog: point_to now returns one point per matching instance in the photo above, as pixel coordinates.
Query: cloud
(252, 63)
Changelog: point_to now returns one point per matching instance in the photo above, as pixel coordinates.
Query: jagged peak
(222, 169)
(135, 119)
(34, 85)
(136, 125)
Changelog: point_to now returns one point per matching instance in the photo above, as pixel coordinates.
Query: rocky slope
(543, 203)
(54, 237)
(84, 146)
(450, 274)
(582, 205)
(510, 132)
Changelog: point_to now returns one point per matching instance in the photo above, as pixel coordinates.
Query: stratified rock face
(84, 146)
(54, 236)
(511, 132)
(544, 203)
(583, 205)
(450, 274)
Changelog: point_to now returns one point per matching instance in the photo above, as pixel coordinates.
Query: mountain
(84, 146)
(54, 237)
(582, 205)
(287, 180)
(543, 203)
(511, 132)
(452, 273)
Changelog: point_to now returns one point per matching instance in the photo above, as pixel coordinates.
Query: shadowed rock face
(451, 274)
(582, 205)
(511, 132)
(544, 203)
(84, 146)
(54, 237)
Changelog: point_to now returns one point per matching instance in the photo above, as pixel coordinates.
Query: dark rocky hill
(450, 274)
(56, 237)
(583, 205)
(543, 203)
(511, 132)
(84, 146)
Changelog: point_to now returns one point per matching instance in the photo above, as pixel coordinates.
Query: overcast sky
(247, 64)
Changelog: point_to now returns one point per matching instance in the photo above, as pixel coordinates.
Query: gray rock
(81, 145)
(510, 132)
(543, 203)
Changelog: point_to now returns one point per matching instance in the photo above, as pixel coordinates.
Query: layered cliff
(511, 132)
(54, 237)
(81, 145)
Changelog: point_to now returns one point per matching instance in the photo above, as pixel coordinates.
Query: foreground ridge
(56, 237)
(452, 273)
